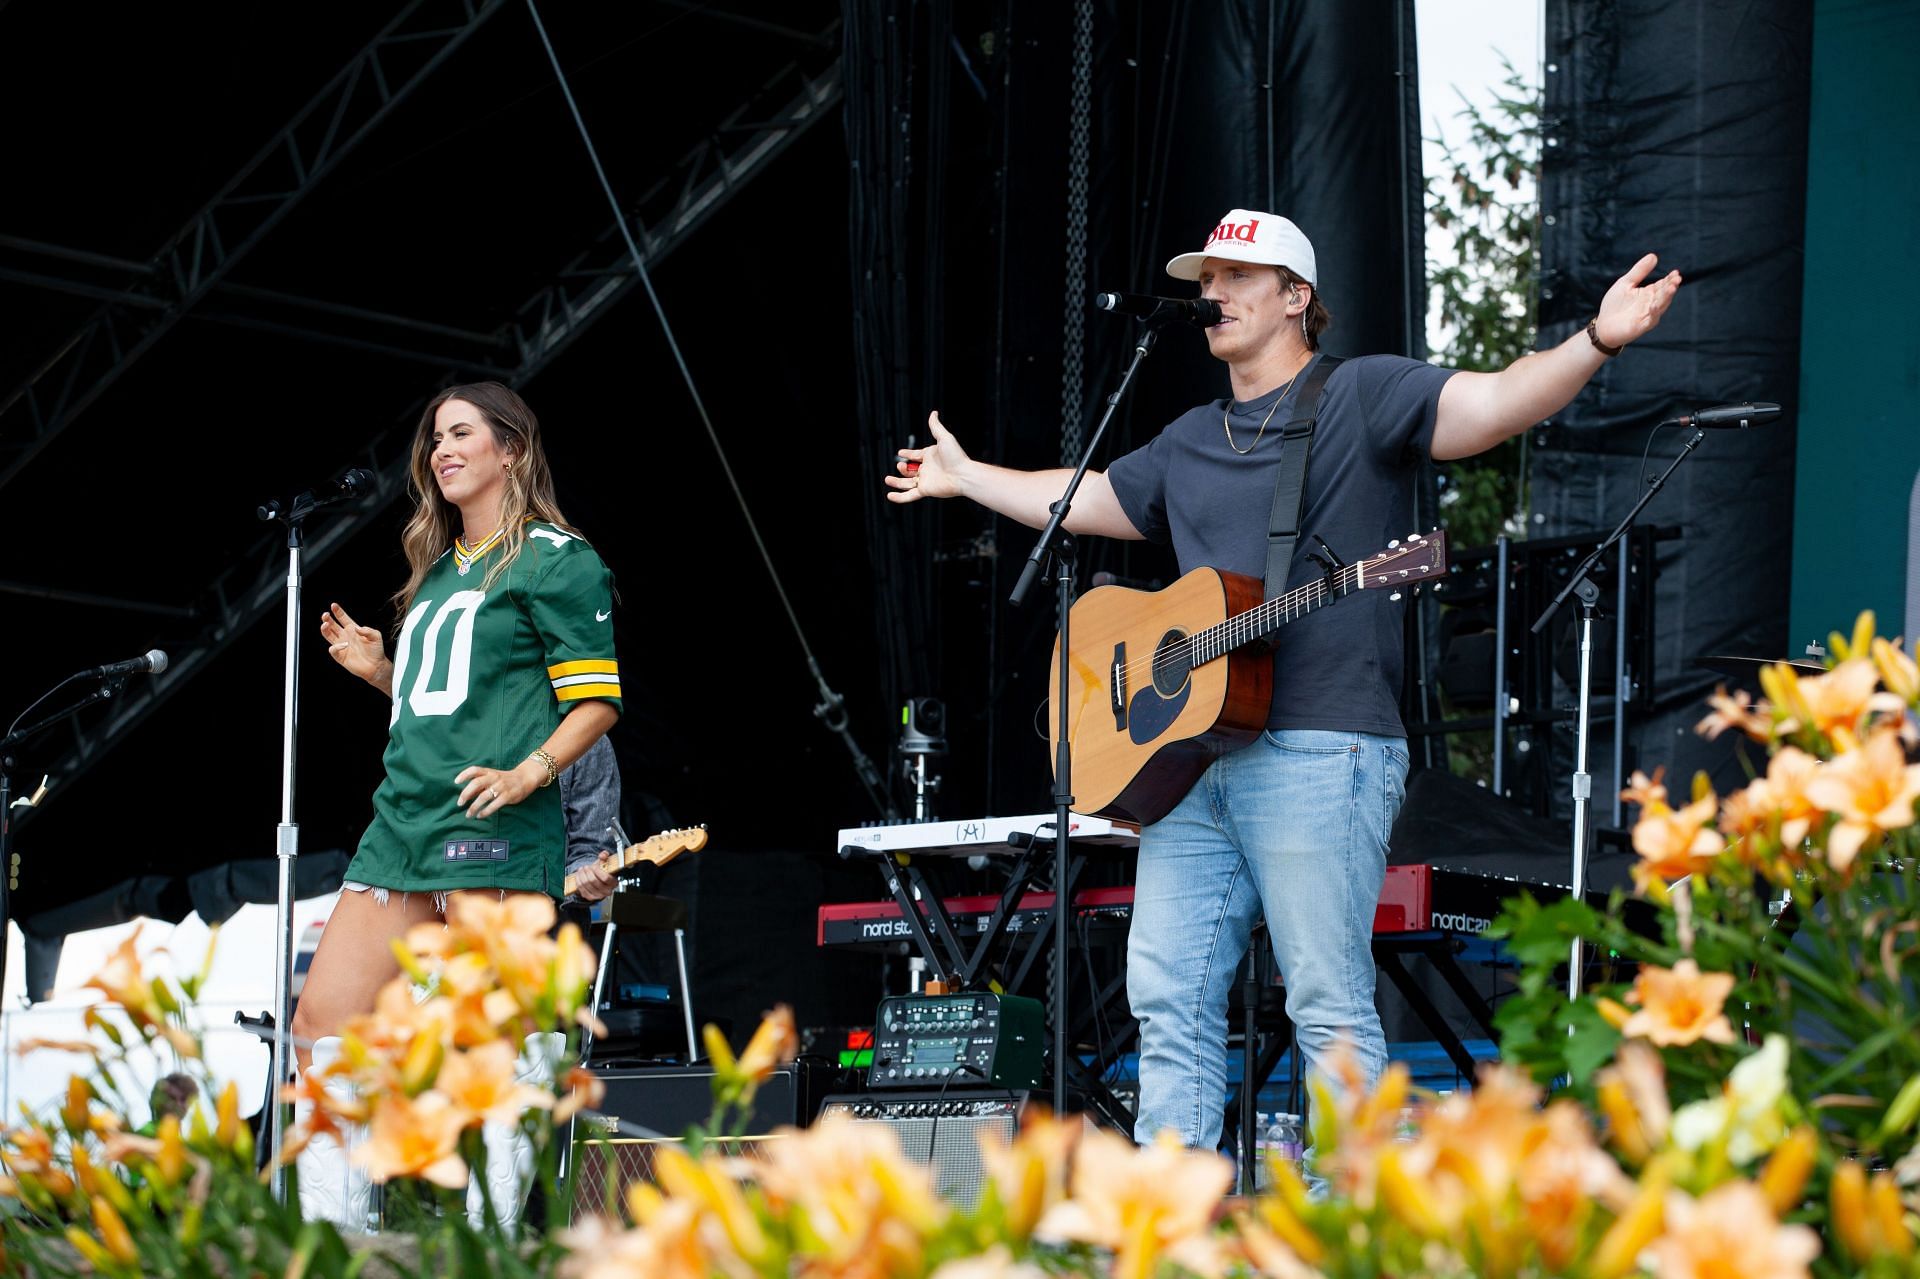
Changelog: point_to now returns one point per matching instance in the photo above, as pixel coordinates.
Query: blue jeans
(1294, 825)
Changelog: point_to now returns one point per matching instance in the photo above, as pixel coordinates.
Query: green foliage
(1486, 296)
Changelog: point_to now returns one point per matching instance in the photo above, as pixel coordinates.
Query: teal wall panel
(1859, 410)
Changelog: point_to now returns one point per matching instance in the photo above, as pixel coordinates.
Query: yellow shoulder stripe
(574, 692)
(589, 667)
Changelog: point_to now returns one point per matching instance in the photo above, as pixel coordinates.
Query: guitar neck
(1265, 618)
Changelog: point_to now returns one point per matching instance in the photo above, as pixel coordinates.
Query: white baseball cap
(1248, 235)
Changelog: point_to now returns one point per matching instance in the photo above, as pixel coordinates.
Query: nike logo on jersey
(558, 539)
(598, 616)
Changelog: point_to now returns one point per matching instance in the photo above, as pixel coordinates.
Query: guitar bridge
(1117, 688)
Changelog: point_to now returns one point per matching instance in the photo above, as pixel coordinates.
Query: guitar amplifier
(943, 1131)
(665, 1101)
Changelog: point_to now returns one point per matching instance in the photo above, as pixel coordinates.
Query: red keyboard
(1406, 906)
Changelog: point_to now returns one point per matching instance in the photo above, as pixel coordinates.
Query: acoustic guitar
(1162, 683)
(658, 849)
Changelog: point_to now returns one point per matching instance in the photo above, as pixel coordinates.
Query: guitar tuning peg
(1395, 542)
(1394, 596)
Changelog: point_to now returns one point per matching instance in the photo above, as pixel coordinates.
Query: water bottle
(1277, 1137)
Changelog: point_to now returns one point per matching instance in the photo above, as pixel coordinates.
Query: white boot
(509, 1169)
(331, 1187)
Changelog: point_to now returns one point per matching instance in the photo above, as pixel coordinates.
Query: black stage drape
(1680, 130)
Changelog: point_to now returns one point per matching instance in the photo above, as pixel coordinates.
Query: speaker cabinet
(943, 1131)
(648, 1107)
(668, 1100)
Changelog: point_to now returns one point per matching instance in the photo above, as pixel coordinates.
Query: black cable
(830, 706)
(1646, 452)
(36, 701)
(934, 1130)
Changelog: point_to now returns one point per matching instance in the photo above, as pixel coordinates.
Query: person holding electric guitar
(1282, 811)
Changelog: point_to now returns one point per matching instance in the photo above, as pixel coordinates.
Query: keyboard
(1407, 905)
(970, 836)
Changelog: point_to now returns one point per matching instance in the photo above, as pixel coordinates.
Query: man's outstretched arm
(1479, 410)
(943, 469)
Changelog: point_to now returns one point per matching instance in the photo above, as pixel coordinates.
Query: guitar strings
(1301, 598)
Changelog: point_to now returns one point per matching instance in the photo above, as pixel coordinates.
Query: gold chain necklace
(1224, 413)
(464, 555)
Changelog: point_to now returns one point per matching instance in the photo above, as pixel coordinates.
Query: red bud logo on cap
(1249, 235)
(1242, 231)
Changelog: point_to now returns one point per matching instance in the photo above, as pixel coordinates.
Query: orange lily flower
(1680, 1005)
(1871, 789)
(585, 1091)
(1736, 711)
(667, 1246)
(854, 1191)
(1674, 843)
(1834, 703)
(1141, 1202)
(481, 1085)
(415, 1138)
(1731, 1231)
(1029, 1174)
(1646, 792)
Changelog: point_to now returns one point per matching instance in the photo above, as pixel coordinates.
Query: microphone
(344, 487)
(153, 660)
(1204, 312)
(1731, 417)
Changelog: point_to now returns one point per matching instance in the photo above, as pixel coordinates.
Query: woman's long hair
(436, 521)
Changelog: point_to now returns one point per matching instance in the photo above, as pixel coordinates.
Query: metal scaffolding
(201, 253)
(585, 289)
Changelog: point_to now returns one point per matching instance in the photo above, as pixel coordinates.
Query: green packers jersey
(483, 677)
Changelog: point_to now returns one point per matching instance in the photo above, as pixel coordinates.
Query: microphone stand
(1582, 585)
(110, 687)
(1055, 546)
(294, 516)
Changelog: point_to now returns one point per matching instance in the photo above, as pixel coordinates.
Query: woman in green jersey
(503, 674)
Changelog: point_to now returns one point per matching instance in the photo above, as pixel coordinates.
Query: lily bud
(1620, 1248)
(1889, 1216)
(113, 1232)
(1852, 1222)
(1784, 1175)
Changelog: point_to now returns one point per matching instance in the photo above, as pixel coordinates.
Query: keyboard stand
(950, 960)
(1439, 948)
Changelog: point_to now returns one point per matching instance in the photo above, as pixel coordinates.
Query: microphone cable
(831, 710)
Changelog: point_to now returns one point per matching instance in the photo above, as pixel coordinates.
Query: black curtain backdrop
(1680, 130)
(1306, 110)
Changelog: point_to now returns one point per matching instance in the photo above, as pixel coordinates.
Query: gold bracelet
(553, 767)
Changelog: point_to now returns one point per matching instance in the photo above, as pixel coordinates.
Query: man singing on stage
(1294, 826)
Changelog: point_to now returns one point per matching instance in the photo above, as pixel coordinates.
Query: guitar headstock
(1422, 557)
(667, 845)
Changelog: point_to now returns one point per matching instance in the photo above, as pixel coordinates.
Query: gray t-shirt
(1338, 668)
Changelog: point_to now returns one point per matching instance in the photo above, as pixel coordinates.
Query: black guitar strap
(1289, 489)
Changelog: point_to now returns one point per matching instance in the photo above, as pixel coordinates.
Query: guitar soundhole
(1171, 663)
